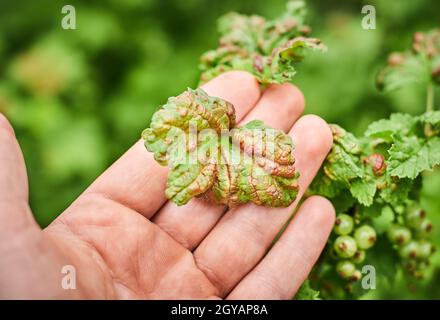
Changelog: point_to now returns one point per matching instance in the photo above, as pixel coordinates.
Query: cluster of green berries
(411, 241)
(350, 246)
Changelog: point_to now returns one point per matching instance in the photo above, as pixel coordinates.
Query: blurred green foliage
(79, 98)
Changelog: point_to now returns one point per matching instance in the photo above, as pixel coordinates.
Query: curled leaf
(266, 48)
(265, 174)
(192, 110)
(195, 135)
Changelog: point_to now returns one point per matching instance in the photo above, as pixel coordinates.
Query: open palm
(125, 240)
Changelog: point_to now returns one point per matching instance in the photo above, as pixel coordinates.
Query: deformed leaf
(325, 186)
(410, 69)
(431, 117)
(266, 48)
(280, 64)
(193, 109)
(265, 175)
(343, 161)
(346, 140)
(432, 120)
(306, 292)
(195, 135)
(186, 181)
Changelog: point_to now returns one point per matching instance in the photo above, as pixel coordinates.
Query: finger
(244, 234)
(137, 181)
(286, 266)
(280, 106)
(15, 215)
(238, 87)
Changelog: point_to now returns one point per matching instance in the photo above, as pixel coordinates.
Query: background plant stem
(430, 98)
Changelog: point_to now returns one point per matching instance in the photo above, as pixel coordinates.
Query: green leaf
(385, 128)
(409, 156)
(306, 292)
(364, 191)
(191, 111)
(396, 191)
(346, 140)
(412, 70)
(342, 166)
(420, 65)
(343, 163)
(268, 49)
(324, 186)
(265, 174)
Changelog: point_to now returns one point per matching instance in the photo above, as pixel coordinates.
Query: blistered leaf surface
(195, 135)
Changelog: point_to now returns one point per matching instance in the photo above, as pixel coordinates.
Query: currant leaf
(409, 156)
(268, 49)
(195, 135)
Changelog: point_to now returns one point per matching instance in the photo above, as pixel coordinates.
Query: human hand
(125, 240)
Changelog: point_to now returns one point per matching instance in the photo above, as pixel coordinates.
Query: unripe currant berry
(345, 246)
(343, 224)
(399, 234)
(345, 269)
(419, 274)
(424, 229)
(359, 256)
(423, 265)
(365, 237)
(410, 266)
(415, 217)
(409, 250)
(357, 275)
(425, 249)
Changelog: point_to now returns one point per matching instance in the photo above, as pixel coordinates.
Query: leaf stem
(429, 106)
(430, 97)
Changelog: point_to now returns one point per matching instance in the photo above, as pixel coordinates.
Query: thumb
(15, 214)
